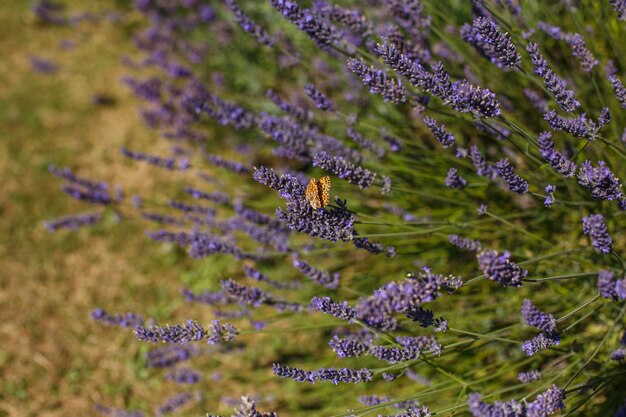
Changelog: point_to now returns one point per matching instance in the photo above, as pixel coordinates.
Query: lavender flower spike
(527, 377)
(249, 26)
(321, 101)
(439, 131)
(546, 403)
(356, 175)
(377, 81)
(335, 376)
(618, 88)
(620, 8)
(340, 310)
(594, 226)
(479, 408)
(465, 243)
(555, 85)
(514, 181)
(324, 278)
(74, 221)
(498, 47)
(454, 180)
(500, 268)
(542, 341)
(122, 320)
(606, 284)
(536, 318)
(600, 180)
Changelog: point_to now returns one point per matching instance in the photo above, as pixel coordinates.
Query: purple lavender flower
(542, 341)
(454, 180)
(184, 376)
(324, 278)
(168, 163)
(314, 25)
(377, 81)
(362, 141)
(514, 181)
(216, 197)
(439, 131)
(368, 245)
(328, 306)
(556, 159)
(73, 222)
(577, 127)
(122, 320)
(465, 243)
(482, 168)
(116, 412)
(594, 226)
(536, 99)
(205, 297)
(166, 356)
(321, 101)
(43, 65)
(500, 267)
(479, 408)
(245, 294)
(218, 332)
(620, 8)
(335, 376)
(549, 200)
(555, 85)
(546, 403)
(258, 276)
(204, 244)
(377, 309)
(483, 34)
(248, 409)
(536, 318)
(426, 318)
(620, 288)
(338, 166)
(218, 161)
(606, 284)
(619, 89)
(174, 403)
(175, 334)
(527, 377)
(249, 26)
(600, 180)
(348, 347)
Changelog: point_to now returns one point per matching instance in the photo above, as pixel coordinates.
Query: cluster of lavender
(354, 91)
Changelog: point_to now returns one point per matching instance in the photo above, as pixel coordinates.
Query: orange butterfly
(317, 192)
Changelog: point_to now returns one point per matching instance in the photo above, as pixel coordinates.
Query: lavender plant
(471, 168)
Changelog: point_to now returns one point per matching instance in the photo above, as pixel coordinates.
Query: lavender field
(258, 208)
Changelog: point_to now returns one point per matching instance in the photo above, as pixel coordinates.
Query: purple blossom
(454, 180)
(606, 284)
(399, 297)
(248, 409)
(600, 180)
(555, 85)
(542, 341)
(546, 403)
(321, 101)
(43, 65)
(479, 408)
(122, 320)
(218, 332)
(116, 412)
(184, 376)
(362, 141)
(348, 347)
(527, 377)
(426, 318)
(439, 131)
(174, 334)
(618, 88)
(369, 245)
(483, 34)
(216, 197)
(499, 267)
(594, 226)
(218, 161)
(620, 288)
(482, 168)
(258, 276)
(311, 23)
(245, 294)
(377, 81)
(465, 243)
(73, 222)
(324, 278)
(536, 99)
(205, 297)
(338, 166)
(514, 181)
(556, 159)
(166, 356)
(167, 163)
(249, 26)
(335, 376)
(536, 318)
(577, 127)
(328, 306)
(174, 403)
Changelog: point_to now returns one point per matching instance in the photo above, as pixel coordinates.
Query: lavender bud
(439, 131)
(594, 226)
(536, 318)
(527, 377)
(542, 341)
(501, 268)
(321, 101)
(465, 243)
(454, 180)
(514, 181)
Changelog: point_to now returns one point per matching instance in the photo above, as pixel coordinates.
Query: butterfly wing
(312, 194)
(324, 190)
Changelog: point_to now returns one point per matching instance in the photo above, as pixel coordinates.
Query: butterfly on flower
(317, 192)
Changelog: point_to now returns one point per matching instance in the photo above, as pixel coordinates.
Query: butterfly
(317, 192)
